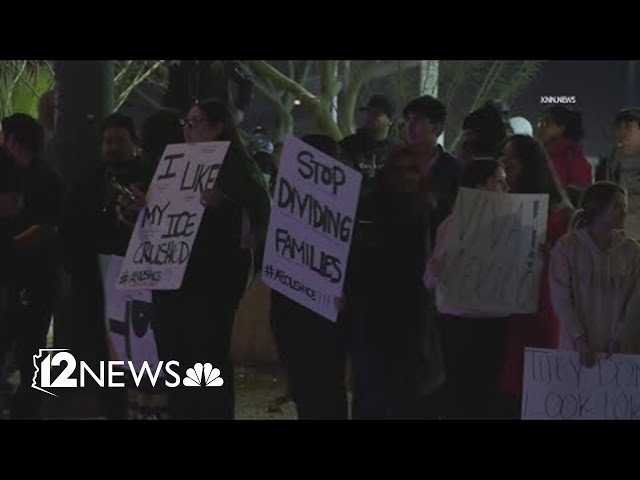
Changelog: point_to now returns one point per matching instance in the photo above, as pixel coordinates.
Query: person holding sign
(195, 322)
(529, 170)
(473, 342)
(396, 357)
(312, 349)
(595, 278)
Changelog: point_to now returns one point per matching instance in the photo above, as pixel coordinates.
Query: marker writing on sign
(202, 177)
(314, 213)
(310, 169)
(324, 264)
(180, 225)
(169, 159)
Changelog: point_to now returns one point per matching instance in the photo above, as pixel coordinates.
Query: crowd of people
(410, 354)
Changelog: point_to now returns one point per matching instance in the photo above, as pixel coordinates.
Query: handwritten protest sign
(557, 387)
(493, 256)
(311, 226)
(130, 318)
(166, 228)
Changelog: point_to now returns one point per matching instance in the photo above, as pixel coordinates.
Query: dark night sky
(601, 88)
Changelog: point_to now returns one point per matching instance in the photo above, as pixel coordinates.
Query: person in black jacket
(194, 323)
(368, 149)
(34, 282)
(396, 358)
(425, 117)
(312, 349)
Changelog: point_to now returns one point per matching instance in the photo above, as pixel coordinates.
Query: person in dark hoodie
(396, 358)
(312, 349)
(194, 323)
(368, 149)
(622, 165)
(35, 280)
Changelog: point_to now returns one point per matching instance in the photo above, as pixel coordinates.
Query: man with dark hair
(425, 117)
(208, 79)
(368, 149)
(34, 283)
(622, 165)
(99, 220)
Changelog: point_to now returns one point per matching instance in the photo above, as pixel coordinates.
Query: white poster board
(311, 226)
(129, 318)
(493, 259)
(166, 228)
(557, 387)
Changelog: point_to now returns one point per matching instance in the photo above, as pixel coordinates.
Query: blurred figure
(560, 130)
(368, 149)
(262, 151)
(425, 117)
(396, 357)
(529, 170)
(473, 342)
(595, 278)
(99, 218)
(483, 132)
(312, 348)
(34, 250)
(622, 166)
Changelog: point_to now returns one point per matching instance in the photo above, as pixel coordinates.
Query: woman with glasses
(194, 323)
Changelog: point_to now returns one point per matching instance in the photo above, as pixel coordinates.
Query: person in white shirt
(595, 278)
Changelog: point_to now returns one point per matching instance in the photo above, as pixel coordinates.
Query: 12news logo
(200, 375)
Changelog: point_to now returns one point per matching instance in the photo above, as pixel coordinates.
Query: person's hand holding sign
(587, 356)
(339, 303)
(212, 199)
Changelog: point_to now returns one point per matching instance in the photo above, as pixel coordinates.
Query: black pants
(474, 350)
(29, 312)
(194, 327)
(313, 351)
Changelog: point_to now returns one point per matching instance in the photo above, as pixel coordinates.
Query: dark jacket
(366, 155)
(443, 182)
(43, 203)
(386, 296)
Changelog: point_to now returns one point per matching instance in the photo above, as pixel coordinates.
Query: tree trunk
(85, 99)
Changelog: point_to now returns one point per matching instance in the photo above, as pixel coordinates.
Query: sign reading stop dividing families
(166, 228)
(311, 226)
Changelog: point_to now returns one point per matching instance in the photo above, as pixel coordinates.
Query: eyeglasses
(191, 123)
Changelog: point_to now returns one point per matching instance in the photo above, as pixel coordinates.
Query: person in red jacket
(528, 171)
(560, 131)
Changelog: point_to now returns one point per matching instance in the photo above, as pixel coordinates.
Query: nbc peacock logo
(203, 376)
